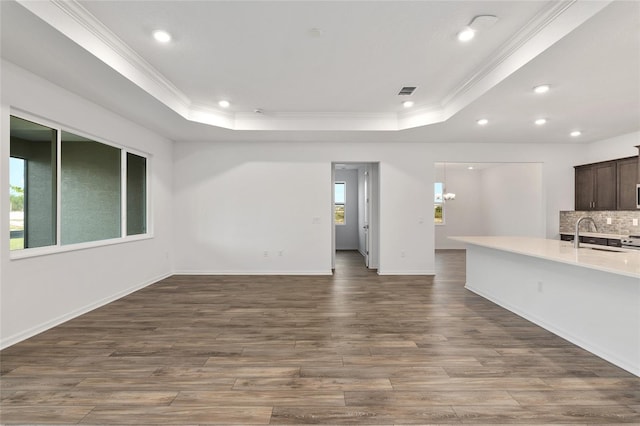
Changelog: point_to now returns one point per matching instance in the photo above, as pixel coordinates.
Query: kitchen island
(587, 296)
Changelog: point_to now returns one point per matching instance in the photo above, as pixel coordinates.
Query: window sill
(45, 251)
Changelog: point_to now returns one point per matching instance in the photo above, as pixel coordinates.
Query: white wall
(39, 292)
(610, 149)
(230, 204)
(511, 200)
(461, 216)
(215, 240)
(347, 234)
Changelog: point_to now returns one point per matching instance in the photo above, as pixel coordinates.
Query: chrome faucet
(576, 236)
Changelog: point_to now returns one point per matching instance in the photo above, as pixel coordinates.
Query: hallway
(350, 263)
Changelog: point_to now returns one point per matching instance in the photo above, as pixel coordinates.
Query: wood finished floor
(355, 348)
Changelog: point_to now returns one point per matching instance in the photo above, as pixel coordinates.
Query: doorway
(355, 211)
(493, 199)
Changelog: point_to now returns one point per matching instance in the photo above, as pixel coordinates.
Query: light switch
(635, 222)
(608, 221)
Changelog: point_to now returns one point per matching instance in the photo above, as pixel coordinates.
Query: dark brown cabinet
(627, 171)
(601, 241)
(595, 186)
(609, 185)
(638, 176)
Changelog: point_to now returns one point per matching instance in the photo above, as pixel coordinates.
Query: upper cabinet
(609, 185)
(596, 186)
(627, 178)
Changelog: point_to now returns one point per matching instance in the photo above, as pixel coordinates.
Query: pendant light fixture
(446, 196)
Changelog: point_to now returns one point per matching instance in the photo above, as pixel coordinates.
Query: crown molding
(550, 25)
(534, 26)
(555, 21)
(78, 24)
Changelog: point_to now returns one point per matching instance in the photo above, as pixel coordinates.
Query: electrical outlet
(280, 252)
(402, 254)
(265, 253)
(608, 221)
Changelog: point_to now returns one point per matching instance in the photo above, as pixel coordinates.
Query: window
(339, 199)
(33, 151)
(16, 195)
(136, 194)
(90, 190)
(438, 203)
(79, 198)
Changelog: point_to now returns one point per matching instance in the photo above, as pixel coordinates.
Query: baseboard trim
(588, 346)
(425, 273)
(253, 273)
(19, 337)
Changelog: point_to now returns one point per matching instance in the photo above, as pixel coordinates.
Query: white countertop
(623, 263)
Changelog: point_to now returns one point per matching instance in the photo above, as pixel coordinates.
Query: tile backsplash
(621, 221)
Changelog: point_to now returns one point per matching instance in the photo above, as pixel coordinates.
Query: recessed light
(470, 168)
(224, 104)
(543, 88)
(407, 104)
(483, 122)
(540, 121)
(575, 133)
(162, 36)
(466, 34)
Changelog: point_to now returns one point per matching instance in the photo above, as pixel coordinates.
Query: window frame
(343, 204)
(58, 247)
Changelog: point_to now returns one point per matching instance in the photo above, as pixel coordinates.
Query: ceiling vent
(405, 91)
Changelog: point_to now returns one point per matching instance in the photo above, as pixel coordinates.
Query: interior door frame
(372, 193)
(367, 213)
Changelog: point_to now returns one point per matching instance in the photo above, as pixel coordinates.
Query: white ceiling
(343, 85)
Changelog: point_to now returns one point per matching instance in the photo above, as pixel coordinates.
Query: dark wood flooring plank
(593, 383)
(425, 398)
(155, 383)
(176, 415)
(41, 414)
(578, 397)
(181, 373)
(445, 383)
(89, 397)
(314, 383)
(559, 414)
(317, 398)
(370, 372)
(363, 415)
